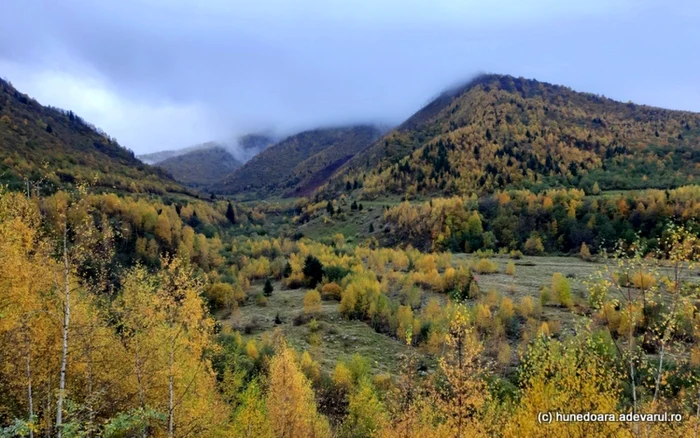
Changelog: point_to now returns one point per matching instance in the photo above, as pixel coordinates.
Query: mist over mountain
(242, 148)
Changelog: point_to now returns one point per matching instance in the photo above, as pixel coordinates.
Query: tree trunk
(66, 325)
(171, 390)
(30, 396)
(139, 381)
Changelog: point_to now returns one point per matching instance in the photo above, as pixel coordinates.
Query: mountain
(499, 132)
(53, 147)
(243, 148)
(250, 145)
(160, 156)
(299, 164)
(201, 167)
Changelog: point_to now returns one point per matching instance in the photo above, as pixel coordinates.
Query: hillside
(56, 147)
(200, 167)
(503, 132)
(243, 149)
(250, 145)
(298, 164)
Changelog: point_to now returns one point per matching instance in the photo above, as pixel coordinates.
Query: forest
(512, 251)
(126, 316)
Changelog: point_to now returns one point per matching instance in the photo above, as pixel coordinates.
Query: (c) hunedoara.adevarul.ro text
(559, 417)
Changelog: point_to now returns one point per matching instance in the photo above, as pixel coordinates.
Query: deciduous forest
(487, 261)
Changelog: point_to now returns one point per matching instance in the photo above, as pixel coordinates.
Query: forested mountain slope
(201, 167)
(299, 163)
(503, 132)
(57, 147)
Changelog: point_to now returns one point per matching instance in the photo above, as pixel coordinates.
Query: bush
(312, 302)
(510, 268)
(261, 300)
(585, 253)
(486, 266)
(331, 291)
(295, 281)
(314, 326)
(516, 254)
(545, 296)
(335, 273)
(533, 245)
(643, 280)
(561, 289)
(526, 307)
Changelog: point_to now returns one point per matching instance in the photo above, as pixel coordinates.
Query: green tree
(313, 270)
(267, 289)
(230, 213)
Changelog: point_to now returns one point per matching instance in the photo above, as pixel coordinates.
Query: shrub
(643, 280)
(261, 300)
(335, 273)
(533, 245)
(331, 291)
(545, 296)
(482, 317)
(596, 295)
(526, 307)
(312, 302)
(510, 268)
(314, 325)
(295, 281)
(506, 310)
(584, 253)
(561, 289)
(516, 254)
(486, 266)
(252, 350)
(473, 290)
(342, 376)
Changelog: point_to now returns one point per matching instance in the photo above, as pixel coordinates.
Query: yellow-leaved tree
(462, 398)
(290, 400)
(570, 377)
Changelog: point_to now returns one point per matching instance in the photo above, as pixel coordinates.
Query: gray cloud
(160, 74)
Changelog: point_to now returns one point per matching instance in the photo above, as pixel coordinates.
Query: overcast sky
(164, 74)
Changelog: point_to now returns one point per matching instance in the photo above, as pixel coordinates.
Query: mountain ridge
(498, 131)
(298, 163)
(53, 147)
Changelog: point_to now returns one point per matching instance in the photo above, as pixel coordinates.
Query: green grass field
(338, 338)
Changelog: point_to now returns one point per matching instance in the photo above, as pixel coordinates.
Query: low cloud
(160, 74)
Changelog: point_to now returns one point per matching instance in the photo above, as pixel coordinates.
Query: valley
(513, 247)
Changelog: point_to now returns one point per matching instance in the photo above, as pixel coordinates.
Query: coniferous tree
(230, 213)
(267, 289)
(313, 270)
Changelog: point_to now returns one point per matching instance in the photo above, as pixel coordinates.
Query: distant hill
(503, 132)
(299, 164)
(243, 148)
(39, 143)
(201, 167)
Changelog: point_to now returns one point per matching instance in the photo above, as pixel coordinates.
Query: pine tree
(313, 270)
(287, 271)
(267, 289)
(230, 213)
